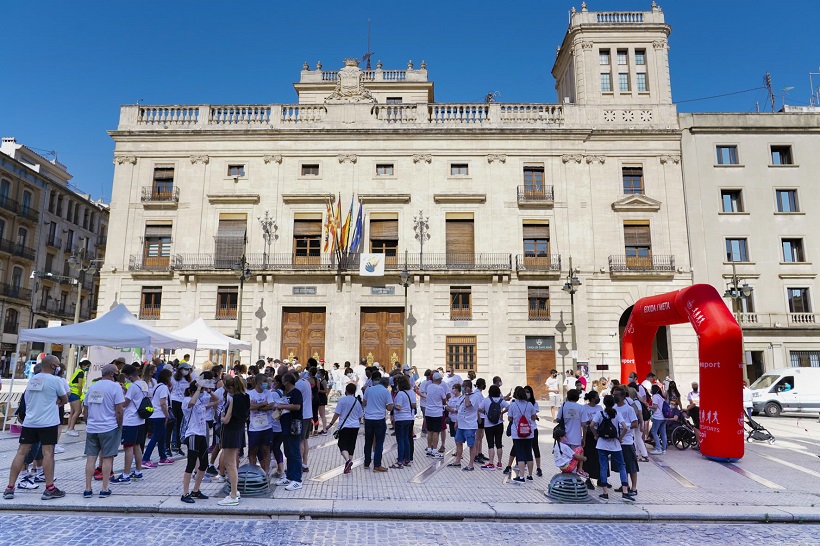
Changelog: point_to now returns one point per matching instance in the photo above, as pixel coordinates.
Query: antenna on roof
(815, 91)
(767, 81)
(366, 56)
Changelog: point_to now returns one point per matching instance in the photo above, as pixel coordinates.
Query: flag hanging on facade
(326, 230)
(345, 238)
(371, 265)
(356, 240)
(337, 223)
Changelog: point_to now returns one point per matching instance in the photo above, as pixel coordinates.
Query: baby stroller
(756, 431)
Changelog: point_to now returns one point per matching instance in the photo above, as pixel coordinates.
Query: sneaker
(228, 501)
(211, 470)
(199, 495)
(437, 455)
(295, 486)
(323, 433)
(628, 497)
(71, 433)
(40, 478)
(58, 448)
(165, 462)
(656, 452)
(633, 492)
(282, 481)
(53, 493)
(187, 499)
(454, 464)
(8, 493)
(348, 467)
(27, 483)
(220, 479)
(468, 468)
(518, 480)
(529, 477)
(498, 465)
(88, 494)
(538, 472)
(441, 449)
(305, 470)
(135, 476)
(206, 479)
(169, 455)
(488, 466)
(375, 469)
(105, 494)
(98, 473)
(663, 452)
(121, 479)
(148, 464)
(508, 470)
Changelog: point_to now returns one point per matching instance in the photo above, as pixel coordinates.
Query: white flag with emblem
(371, 265)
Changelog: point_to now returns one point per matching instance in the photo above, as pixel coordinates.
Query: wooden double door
(382, 335)
(303, 333)
(540, 356)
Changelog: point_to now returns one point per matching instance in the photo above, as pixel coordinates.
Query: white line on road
(790, 465)
(752, 476)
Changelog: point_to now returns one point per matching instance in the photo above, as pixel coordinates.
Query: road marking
(752, 476)
(790, 465)
(674, 473)
(428, 472)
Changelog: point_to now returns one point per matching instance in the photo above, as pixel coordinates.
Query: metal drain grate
(252, 482)
(568, 488)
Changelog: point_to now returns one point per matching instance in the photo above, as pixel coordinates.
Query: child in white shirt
(566, 458)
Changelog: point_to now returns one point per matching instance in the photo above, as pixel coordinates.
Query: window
(384, 169)
(163, 186)
(26, 204)
(737, 250)
(798, 300)
(606, 82)
(640, 78)
(793, 250)
(229, 243)
(157, 246)
(236, 171)
(307, 241)
(536, 245)
(743, 304)
(52, 202)
(459, 242)
(623, 57)
(786, 200)
(538, 299)
(86, 217)
(804, 359)
(782, 155)
(17, 278)
(394, 100)
(623, 82)
(640, 57)
(69, 242)
(461, 353)
(637, 245)
(731, 200)
(534, 179)
(151, 302)
(603, 56)
(226, 302)
(459, 169)
(310, 170)
(726, 155)
(59, 211)
(461, 303)
(12, 322)
(384, 238)
(22, 236)
(633, 180)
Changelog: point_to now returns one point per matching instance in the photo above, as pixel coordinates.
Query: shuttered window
(150, 302)
(461, 353)
(226, 301)
(384, 237)
(633, 180)
(461, 303)
(230, 242)
(536, 240)
(460, 237)
(307, 237)
(637, 245)
(538, 300)
(157, 247)
(163, 182)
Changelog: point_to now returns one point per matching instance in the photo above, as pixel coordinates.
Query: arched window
(12, 321)
(22, 236)
(26, 202)
(16, 278)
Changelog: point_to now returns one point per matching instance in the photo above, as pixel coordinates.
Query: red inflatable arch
(720, 356)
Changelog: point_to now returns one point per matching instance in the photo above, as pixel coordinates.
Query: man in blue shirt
(377, 401)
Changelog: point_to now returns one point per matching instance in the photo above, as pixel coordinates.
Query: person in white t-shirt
(571, 412)
(658, 421)
(521, 414)
(195, 404)
(437, 396)
(609, 429)
(693, 406)
(103, 414)
(404, 411)
(452, 378)
(421, 391)
(493, 430)
(465, 410)
(260, 429)
(553, 391)
(630, 417)
(133, 426)
(349, 413)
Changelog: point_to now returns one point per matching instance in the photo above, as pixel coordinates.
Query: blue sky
(68, 65)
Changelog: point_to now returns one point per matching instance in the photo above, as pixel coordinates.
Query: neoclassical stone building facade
(485, 206)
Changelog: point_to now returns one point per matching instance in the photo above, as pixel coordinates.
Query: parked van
(787, 389)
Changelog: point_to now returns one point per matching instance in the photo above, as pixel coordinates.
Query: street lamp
(241, 268)
(421, 226)
(77, 261)
(269, 228)
(571, 287)
(405, 282)
(738, 293)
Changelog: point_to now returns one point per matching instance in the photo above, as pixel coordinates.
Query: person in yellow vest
(76, 387)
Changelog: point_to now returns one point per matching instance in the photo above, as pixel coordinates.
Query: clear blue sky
(68, 65)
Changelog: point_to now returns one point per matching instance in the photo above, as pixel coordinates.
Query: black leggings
(197, 451)
(494, 435)
(176, 409)
(536, 451)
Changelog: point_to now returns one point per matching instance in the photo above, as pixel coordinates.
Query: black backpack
(494, 412)
(606, 429)
(146, 408)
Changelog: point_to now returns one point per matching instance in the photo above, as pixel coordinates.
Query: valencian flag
(337, 223)
(357, 233)
(329, 236)
(345, 237)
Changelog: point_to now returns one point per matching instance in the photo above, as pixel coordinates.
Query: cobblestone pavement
(785, 474)
(124, 530)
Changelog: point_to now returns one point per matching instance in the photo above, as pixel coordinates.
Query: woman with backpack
(536, 450)
(609, 428)
(658, 421)
(491, 411)
(521, 416)
(159, 420)
(591, 465)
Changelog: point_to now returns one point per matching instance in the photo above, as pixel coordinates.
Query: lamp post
(405, 282)
(571, 287)
(244, 272)
(269, 228)
(78, 261)
(738, 293)
(421, 225)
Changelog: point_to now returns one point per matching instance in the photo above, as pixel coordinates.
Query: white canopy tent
(116, 328)
(208, 338)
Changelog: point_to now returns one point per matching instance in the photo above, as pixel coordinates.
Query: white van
(787, 389)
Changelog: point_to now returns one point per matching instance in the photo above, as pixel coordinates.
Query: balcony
(55, 242)
(152, 195)
(652, 265)
(226, 312)
(149, 312)
(538, 264)
(16, 249)
(15, 292)
(11, 327)
(778, 320)
(461, 312)
(56, 308)
(452, 261)
(9, 204)
(529, 196)
(29, 214)
(138, 262)
(538, 313)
